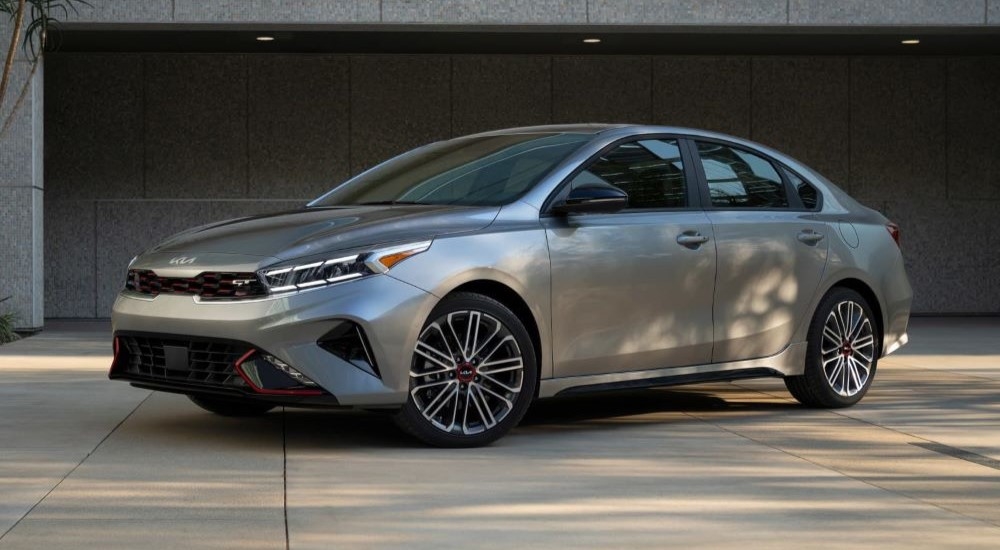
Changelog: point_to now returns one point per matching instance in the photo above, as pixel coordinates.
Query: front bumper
(389, 312)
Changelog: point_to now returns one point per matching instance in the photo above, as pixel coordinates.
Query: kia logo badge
(182, 260)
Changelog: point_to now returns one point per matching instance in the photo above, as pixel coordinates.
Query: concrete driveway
(88, 463)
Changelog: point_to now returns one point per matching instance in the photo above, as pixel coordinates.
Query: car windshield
(473, 171)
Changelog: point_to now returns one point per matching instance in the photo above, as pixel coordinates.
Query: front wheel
(842, 352)
(472, 376)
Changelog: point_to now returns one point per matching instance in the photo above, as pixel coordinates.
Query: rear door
(771, 250)
(632, 290)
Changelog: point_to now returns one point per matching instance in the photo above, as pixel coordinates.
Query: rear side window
(650, 171)
(807, 193)
(740, 179)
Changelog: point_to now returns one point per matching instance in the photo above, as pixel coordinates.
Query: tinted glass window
(650, 171)
(475, 171)
(737, 178)
(807, 193)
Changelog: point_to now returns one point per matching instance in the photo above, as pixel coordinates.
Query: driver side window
(649, 171)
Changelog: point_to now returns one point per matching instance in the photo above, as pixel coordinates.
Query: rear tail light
(893, 231)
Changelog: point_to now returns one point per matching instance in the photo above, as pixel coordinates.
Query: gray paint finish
(993, 12)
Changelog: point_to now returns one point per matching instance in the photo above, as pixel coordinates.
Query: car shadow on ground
(326, 429)
(597, 412)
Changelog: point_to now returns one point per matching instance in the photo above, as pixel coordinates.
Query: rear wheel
(842, 352)
(228, 407)
(472, 376)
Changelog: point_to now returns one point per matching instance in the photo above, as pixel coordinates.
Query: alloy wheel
(848, 348)
(467, 372)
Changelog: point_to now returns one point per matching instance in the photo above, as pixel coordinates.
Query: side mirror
(593, 199)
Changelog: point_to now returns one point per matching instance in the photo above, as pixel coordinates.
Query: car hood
(301, 233)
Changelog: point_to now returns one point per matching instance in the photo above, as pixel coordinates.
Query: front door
(633, 290)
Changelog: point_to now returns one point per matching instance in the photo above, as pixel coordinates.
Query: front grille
(211, 285)
(208, 362)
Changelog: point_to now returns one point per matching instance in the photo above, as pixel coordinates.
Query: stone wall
(140, 146)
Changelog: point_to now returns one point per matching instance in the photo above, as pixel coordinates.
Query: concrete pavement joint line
(846, 416)
(69, 473)
(845, 474)
(284, 471)
(961, 454)
(950, 372)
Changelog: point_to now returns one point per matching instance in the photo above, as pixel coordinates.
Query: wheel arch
(511, 299)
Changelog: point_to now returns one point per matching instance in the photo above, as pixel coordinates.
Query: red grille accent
(207, 285)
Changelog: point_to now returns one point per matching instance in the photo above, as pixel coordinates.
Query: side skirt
(789, 362)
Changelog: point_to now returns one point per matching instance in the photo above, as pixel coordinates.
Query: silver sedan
(458, 282)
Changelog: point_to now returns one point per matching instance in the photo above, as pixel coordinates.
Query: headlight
(338, 270)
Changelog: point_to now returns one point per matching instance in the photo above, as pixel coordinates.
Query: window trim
(785, 171)
(694, 198)
(791, 194)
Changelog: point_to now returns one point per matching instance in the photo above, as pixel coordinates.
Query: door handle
(809, 236)
(691, 239)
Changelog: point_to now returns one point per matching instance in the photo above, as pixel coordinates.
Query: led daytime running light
(338, 270)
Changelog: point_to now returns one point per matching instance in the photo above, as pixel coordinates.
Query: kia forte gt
(453, 285)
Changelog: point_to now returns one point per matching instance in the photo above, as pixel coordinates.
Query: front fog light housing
(337, 270)
(266, 374)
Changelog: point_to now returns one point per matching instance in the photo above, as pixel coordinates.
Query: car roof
(618, 129)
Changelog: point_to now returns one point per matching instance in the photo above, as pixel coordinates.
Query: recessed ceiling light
(265, 38)
(911, 41)
(591, 40)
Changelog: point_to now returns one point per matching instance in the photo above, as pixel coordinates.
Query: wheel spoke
(497, 395)
(431, 410)
(834, 374)
(503, 341)
(863, 341)
(454, 333)
(485, 376)
(435, 356)
(502, 364)
(482, 406)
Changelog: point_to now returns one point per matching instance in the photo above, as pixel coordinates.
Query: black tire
(438, 388)
(229, 407)
(822, 385)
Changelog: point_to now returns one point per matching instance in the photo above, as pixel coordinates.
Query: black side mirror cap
(593, 199)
